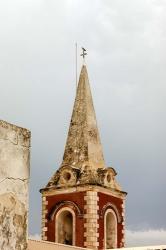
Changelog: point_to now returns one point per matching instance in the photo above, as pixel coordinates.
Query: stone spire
(83, 144)
(83, 162)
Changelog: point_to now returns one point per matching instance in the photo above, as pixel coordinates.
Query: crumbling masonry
(14, 179)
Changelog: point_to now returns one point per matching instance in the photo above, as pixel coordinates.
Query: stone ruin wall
(14, 179)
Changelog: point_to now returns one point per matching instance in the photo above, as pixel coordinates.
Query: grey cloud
(126, 64)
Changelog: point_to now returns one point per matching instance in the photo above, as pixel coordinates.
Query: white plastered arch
(111, 219)
(63, 209)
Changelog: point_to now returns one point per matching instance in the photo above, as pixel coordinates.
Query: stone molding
(103, 190)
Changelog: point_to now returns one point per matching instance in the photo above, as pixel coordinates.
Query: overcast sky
(126, 43)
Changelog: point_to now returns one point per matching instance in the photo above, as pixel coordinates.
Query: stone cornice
(115, 193)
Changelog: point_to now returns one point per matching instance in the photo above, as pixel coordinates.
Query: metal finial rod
(76, 63)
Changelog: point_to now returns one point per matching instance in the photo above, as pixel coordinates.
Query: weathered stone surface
(83, 142)
(14, 179)
(13, 222)
(83, 161)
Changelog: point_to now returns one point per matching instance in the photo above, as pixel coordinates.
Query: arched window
(65, 226)
(110, 229)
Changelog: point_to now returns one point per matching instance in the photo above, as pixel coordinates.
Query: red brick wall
(103, 200)
(78, 199)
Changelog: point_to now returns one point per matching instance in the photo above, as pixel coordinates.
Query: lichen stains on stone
(83, 141)
(13, 223)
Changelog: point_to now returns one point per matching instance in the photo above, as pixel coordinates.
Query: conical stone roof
(83, 141)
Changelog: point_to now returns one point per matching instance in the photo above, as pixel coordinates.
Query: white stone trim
(123, 240)
(123, 223)
(91, 215)
(45, 238)
(45, 229)
(90, 225)
(92, 207)
(93, 234)
(44, 220)
(74, 223)
(91, 245)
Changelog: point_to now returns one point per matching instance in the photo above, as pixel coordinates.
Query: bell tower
(82, 204)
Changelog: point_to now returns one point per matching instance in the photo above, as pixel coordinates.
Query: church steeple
(83, 143)
(82, 204)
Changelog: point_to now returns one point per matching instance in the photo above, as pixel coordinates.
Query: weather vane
(84, 53)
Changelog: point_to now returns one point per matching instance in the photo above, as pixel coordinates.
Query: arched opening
(110, 229)
(65, 224)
